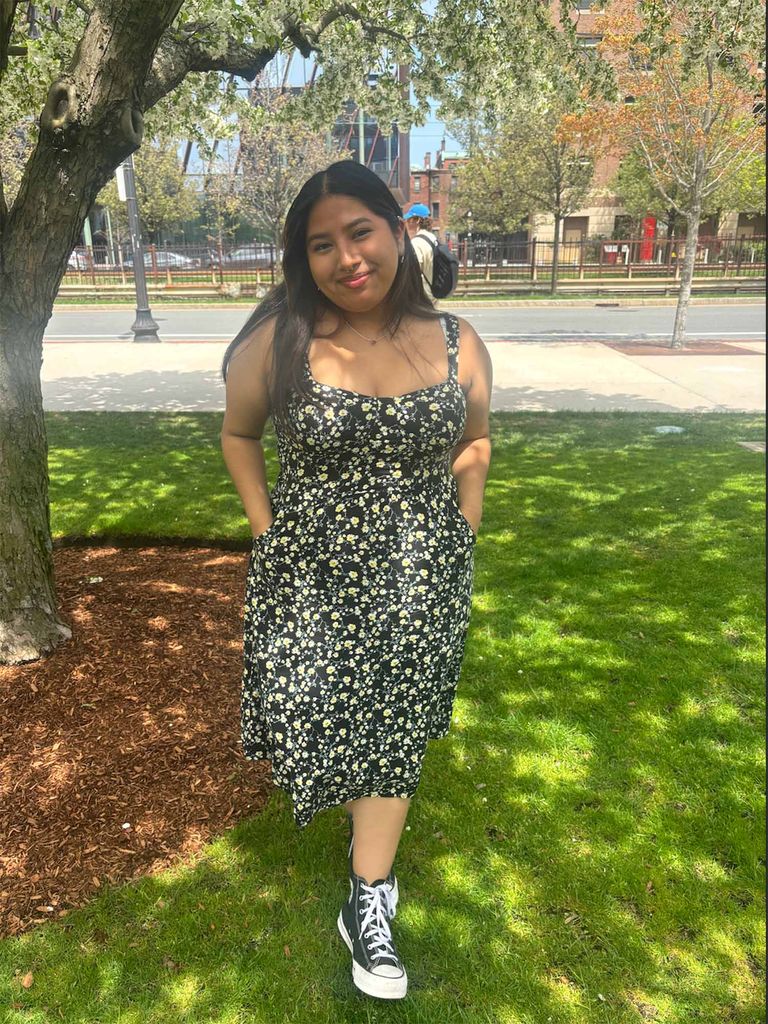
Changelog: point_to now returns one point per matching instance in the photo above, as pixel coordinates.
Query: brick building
(603, 214)
(433, 185)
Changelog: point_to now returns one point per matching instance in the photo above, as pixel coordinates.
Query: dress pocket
(265, 535)
(459, 515)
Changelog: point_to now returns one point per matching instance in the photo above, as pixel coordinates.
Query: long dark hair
(297, 301)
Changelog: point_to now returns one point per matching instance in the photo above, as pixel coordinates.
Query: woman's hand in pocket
(257, 536)
(472, 520)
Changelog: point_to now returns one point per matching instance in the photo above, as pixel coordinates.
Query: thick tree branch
(184, 51)
(348, 11)
(181, 53)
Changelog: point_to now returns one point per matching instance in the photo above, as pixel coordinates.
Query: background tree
(688, 83)
(166, 195)
(277, 158)
(549, 163)
(485, 187)
(223, 203)
(742, 190)
(634, 187)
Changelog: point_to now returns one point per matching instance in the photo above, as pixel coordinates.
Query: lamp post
(144, 327)
(469, 235)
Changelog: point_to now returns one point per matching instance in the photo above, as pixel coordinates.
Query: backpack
(445, 268)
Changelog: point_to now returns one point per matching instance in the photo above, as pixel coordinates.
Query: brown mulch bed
(120, 751)
(691, 348)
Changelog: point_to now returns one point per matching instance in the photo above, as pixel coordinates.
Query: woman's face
(347, 242)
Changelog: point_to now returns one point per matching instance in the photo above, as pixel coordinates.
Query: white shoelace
(374, 924)
(389, 893)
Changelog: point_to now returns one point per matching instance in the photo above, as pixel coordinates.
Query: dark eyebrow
(324, 234)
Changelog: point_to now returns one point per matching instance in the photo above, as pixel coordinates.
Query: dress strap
(451, 332)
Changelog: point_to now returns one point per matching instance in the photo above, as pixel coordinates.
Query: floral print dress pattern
(358, 595)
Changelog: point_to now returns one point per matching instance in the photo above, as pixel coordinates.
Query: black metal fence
(183, 265)
(609, 259)
(250, 268)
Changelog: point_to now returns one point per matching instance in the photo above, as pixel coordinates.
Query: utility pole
(144, 327)
(404, 140)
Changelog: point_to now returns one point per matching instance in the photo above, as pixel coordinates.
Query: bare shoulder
(474, 359)
(247, 389)
(255, 349)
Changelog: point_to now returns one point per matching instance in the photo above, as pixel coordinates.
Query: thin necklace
(371, 340)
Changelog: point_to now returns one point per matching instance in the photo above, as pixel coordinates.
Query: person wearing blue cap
(418, 222)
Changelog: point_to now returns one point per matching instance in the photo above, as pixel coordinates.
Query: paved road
(526, 323)
(537, 368)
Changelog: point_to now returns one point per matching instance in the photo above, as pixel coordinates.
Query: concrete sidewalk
(577, 375)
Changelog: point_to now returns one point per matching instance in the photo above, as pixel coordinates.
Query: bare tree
(277, 157)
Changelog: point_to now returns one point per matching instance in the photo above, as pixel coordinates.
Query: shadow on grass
(586, 843)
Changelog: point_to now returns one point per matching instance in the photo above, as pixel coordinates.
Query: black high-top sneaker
(363, 923)
(393, 893)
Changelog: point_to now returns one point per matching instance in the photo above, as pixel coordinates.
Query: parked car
(165, 259)
(79, 259)
(257, 255)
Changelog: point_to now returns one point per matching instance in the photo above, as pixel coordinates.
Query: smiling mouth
(357, 279)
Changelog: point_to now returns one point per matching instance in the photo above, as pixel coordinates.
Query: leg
(378, 824)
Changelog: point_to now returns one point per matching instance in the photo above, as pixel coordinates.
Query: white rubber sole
(372, 984)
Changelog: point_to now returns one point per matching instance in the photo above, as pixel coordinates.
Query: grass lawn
(586, 845)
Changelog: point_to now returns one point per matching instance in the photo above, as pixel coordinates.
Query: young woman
(359, 582)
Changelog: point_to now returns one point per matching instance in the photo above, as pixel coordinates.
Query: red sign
(649, 233)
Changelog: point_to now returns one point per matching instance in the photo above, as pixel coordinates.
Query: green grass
(586, 844)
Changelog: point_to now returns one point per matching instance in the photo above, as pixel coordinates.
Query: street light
(144, 327)
(469, 234)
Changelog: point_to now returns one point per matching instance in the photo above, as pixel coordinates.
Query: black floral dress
(358, 595)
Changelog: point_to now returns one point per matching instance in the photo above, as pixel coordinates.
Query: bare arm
(247, 410)
(472, 455)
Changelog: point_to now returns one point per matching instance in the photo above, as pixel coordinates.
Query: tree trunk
(555, 256)
(90, 123)
(29, 623)
(686, 277)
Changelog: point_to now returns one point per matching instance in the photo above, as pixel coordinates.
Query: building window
(454, 182)
(435, 211)
(589, 42)
(417, 184)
